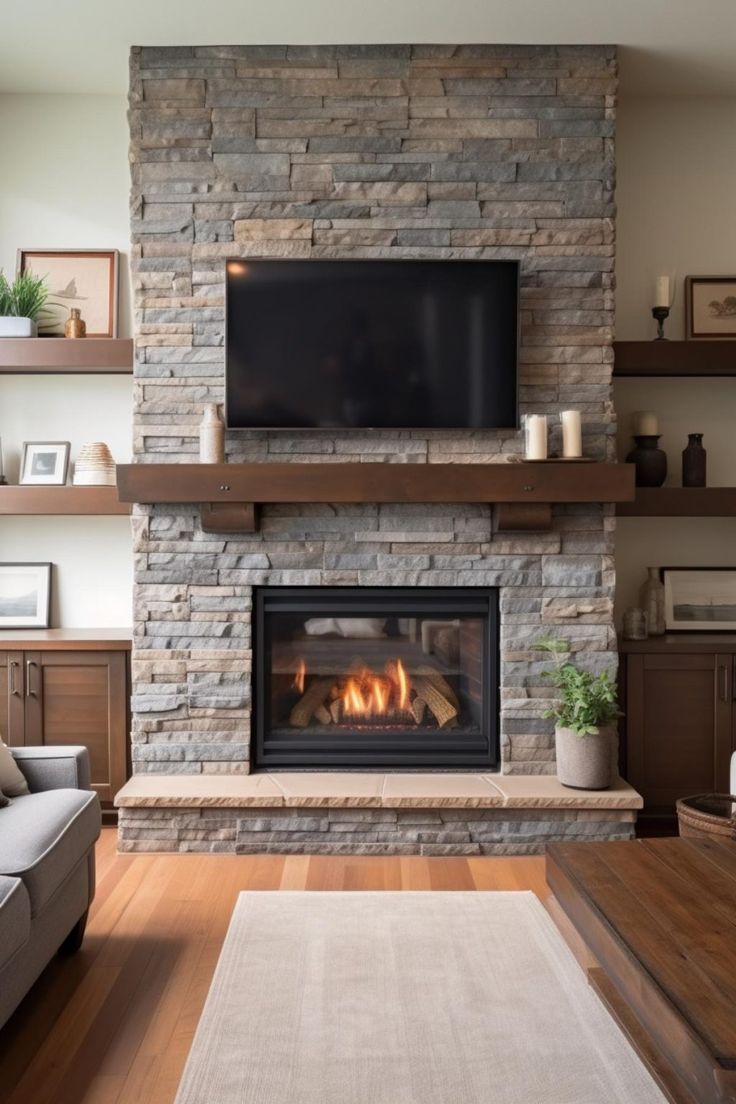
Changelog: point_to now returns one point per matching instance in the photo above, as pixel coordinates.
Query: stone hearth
(389, 151)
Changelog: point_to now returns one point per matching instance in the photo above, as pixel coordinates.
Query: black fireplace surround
(376, 677)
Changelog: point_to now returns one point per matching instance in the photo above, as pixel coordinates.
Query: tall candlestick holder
(660, 313)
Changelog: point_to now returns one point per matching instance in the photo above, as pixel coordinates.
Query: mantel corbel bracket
(522, 517)
(229, 517)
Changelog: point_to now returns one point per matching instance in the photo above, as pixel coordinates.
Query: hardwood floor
(114, 1024)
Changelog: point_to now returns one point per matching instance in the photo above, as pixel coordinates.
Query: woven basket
(708, 816)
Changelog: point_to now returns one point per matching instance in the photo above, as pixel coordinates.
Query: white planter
(587, 762)
(10, 326)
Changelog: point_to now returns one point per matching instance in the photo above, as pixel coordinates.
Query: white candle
(536, 437)
(572, 434)
(662, 291)
(645, 424)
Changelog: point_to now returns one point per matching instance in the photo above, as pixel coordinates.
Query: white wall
(64, 183)
(676, 189)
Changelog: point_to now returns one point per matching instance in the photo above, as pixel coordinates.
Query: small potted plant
(585, 716)
(21, 304)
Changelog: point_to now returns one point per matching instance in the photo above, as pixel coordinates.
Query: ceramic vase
(211, 436)
(649, 460)
(694, 459)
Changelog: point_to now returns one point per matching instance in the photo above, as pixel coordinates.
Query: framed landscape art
(699, 599)
(710, 307)
(25, 595)
(83, 278)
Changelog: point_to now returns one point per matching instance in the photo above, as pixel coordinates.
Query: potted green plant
(585, 716)
(21, 304)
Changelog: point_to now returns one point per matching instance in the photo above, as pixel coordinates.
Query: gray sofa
(47, 873)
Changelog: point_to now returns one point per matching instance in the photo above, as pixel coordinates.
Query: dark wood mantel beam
(231, 492)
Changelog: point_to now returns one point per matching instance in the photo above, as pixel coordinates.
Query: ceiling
(668, 47)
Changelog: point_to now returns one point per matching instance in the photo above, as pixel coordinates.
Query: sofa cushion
(15, 917)
(12, 779)
(43, 836)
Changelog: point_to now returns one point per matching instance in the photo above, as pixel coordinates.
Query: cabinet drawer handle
(723, 672)
(30, 692)
(13, 687)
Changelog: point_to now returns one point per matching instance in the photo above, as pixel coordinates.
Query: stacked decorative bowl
(95, 466)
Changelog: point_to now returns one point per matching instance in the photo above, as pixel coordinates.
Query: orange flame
(300, 676)
(366, 694)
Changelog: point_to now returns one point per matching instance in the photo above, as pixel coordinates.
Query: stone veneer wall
(386, 151)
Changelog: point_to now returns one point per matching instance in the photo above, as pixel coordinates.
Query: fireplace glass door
(376, 677)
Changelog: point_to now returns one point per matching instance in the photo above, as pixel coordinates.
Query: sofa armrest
(54, 768)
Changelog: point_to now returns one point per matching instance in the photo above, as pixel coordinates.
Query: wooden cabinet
(74, 692)
(679, 702)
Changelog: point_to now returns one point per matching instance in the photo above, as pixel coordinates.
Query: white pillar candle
(572, 433)
(662, 291)
(645, 424)
(536, 437)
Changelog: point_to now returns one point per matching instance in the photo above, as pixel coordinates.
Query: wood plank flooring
(114, 1024)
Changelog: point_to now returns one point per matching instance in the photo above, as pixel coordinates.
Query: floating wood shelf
(48, 355)
(680, 502)
(99, 501)
(674, 358)
(229, 494)
(81, 640)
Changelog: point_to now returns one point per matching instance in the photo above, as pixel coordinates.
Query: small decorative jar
(652, 599)
(211, 436)
(649, 460)
(636, 624)
(75, 326)
(694, 461)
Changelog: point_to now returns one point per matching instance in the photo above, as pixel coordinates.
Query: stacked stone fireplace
(440, 152)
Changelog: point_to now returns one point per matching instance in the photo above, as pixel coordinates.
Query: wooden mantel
(230, 494)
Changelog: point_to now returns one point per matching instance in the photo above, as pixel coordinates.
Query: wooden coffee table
(660, 917)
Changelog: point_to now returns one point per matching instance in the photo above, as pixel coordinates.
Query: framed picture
(44, 463)
(25, 595)
(84, 278)
(699, 599)
(710, 307)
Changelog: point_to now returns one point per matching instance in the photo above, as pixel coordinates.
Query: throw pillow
(3, 800)
(12, 781)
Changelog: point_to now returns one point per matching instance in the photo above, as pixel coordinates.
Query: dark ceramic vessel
(694, 461)
(650, 462)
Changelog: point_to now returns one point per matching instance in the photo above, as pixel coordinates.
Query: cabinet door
(678, 725)
(11, 698)
(81, 698)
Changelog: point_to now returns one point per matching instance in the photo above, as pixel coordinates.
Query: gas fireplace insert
(375, 677)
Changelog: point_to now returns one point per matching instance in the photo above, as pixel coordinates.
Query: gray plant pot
(587, 762)
(10, 326)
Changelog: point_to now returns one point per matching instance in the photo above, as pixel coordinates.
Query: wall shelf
(680, 502)
(642, 359)
(49, 355)
(229, 494)
(56, 501)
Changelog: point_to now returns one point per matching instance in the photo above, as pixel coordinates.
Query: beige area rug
(404, 998)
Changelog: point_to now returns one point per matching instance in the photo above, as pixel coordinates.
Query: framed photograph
(84, 278)
(44, 463)
(699, 599)
(710, 307)
(25, 595)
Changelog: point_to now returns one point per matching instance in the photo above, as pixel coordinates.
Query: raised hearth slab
(366, 814)
(367, 790)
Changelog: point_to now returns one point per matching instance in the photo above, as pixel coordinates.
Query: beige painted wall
(676, 211)
(64, 182)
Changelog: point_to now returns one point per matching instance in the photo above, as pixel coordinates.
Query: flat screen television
(364, 344)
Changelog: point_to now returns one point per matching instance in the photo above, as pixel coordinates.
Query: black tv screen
(371, 344)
